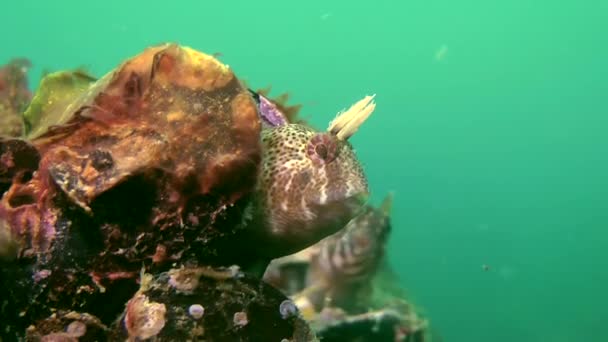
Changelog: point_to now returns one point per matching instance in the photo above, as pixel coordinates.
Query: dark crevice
(18, 200)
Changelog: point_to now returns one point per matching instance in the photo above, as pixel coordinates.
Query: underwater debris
(14, 96)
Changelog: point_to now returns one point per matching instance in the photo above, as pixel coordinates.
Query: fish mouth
(355, 203)
(333, 216)
(297, 233)
(351, 202)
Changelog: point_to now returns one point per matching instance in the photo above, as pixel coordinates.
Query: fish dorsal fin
(270, 113)
(387, 204)
(347, 123)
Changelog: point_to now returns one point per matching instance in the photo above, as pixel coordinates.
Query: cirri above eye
(322, 148)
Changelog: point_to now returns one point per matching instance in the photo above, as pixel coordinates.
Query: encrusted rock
(235, 309)
(150, 165)
(67, 326)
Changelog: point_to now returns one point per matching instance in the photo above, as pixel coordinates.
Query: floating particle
(196, 311)
(441, 53)
(288, 309)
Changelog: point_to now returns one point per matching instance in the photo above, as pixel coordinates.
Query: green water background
(496, 150)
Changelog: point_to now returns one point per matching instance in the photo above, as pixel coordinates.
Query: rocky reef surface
(136, 207)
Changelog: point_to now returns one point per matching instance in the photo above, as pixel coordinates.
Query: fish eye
(322, 148)
(321, 151)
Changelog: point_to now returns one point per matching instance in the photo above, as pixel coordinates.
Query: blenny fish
(311, 183)
(353, 254)
(343, 264)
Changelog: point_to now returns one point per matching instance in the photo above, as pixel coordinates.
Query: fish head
(312, 184)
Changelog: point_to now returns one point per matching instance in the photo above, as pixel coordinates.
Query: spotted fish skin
(311, 185)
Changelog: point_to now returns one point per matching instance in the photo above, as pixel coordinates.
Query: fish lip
(358, 198)
(356, 202)
(328, 218)
(343, 209)
(358, 194)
